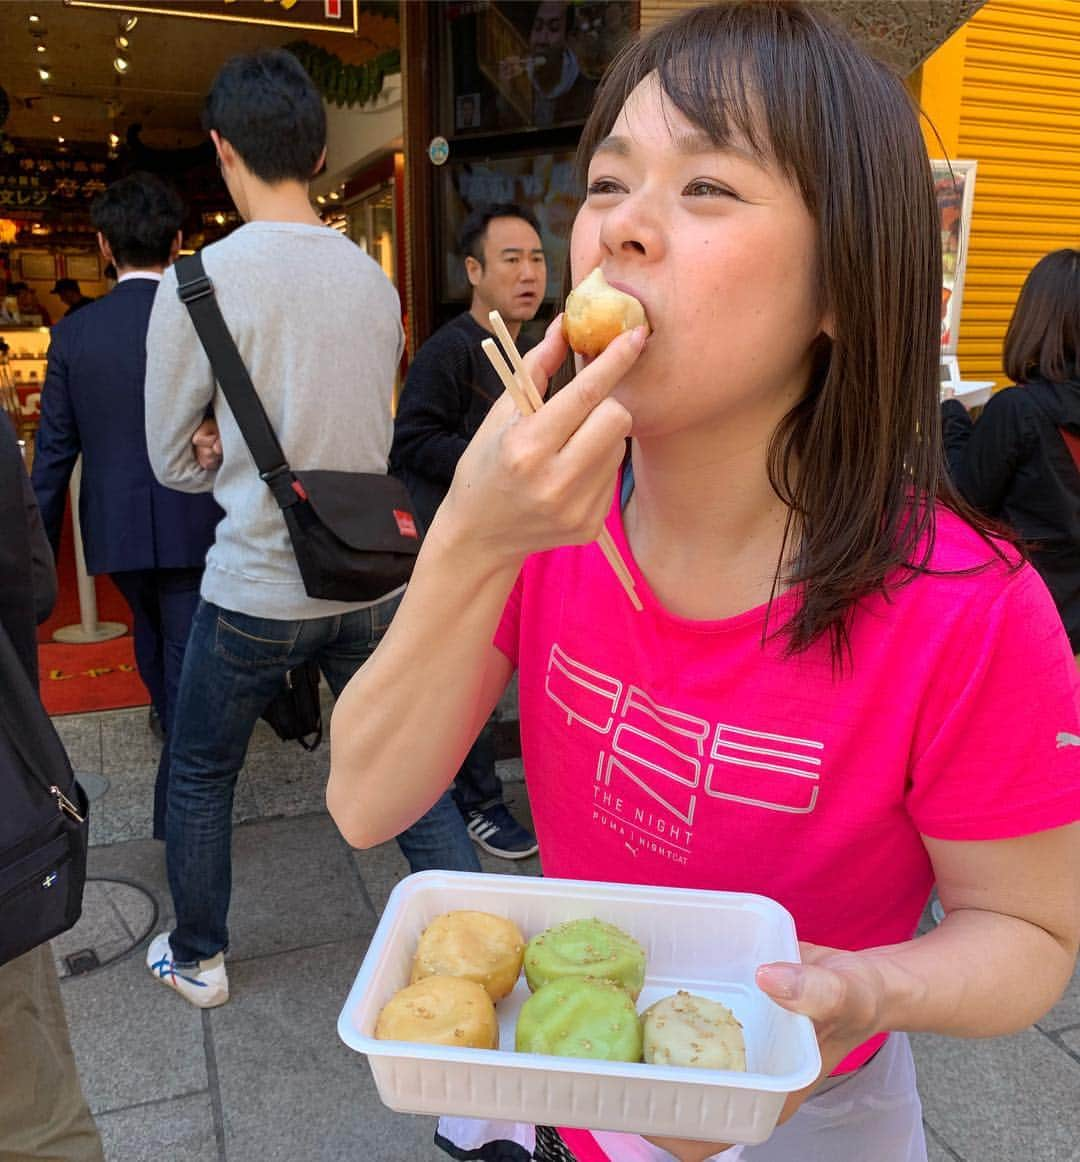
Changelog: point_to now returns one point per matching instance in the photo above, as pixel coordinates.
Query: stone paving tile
(937, 1150)
(510, 770)
(135, 1041)
(1071, 1041)
(293, 886)
(1066, 1012)
(126, 811)
(290, 1089)
(81, 736)
(180, 1129)
(287, 780)
(1002, 1099)
(383, 867)
(115, 917)
(127, 743)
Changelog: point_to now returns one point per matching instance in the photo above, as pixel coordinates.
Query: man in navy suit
(151, 540)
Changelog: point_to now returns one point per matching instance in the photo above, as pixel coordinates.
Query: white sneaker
(205, 984)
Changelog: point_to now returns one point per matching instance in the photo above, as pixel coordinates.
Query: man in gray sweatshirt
(317, 324)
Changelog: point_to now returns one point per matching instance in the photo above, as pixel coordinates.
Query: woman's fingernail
(782, 980)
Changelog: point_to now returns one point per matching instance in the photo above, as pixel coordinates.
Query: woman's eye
(604, 186)
(702, 188)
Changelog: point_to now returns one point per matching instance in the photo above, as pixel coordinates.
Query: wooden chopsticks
(527, 399)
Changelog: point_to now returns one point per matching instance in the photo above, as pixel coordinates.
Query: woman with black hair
(1021, 462)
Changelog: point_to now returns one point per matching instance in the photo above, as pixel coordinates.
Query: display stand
(89, 628)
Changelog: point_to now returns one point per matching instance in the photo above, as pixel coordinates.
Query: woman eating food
(820, 699)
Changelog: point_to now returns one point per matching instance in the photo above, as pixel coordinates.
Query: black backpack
(43, 818)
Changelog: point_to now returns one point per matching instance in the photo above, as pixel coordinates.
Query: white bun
(693, 1031)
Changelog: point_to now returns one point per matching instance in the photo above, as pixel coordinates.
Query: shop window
(528, 65)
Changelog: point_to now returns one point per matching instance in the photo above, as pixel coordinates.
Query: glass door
(370, 224)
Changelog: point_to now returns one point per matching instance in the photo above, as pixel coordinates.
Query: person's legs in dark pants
(178, 598)
(438, 840)
(478, 794)
(138, 587)
(476, 785)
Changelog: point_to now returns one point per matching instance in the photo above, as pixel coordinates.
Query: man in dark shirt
(448, 391)
(69, 293)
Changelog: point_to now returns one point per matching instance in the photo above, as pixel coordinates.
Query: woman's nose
(632, 227)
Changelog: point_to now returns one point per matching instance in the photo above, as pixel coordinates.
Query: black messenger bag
(355, 534)
(43, 819)
(295, 712)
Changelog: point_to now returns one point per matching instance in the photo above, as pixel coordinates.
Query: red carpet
(95, 676)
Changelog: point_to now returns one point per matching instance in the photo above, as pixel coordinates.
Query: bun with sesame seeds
(479, 946)
(693, 1031)
(440, 1010)
(577, 1017)
(585, 948)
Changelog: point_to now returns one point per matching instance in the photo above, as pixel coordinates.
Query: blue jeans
(162, 604)
(476, 785)
(233, 666)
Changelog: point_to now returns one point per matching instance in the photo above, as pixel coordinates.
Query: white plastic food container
(708, 943)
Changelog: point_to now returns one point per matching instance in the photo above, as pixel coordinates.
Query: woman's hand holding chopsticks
(528, 483)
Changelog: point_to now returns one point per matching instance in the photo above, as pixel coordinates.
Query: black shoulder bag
(43, 819)
(355, 534)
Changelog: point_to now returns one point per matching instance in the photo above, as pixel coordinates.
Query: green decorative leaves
(345, 84)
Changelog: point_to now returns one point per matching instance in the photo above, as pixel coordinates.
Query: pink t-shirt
(689, 754)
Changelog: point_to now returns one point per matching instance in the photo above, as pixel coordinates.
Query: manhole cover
(117, 916)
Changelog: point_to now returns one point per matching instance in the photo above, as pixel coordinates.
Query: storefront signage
(317, 15)
(954, 184)
(40, 185)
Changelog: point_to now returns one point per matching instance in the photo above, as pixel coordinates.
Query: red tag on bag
(405, 524)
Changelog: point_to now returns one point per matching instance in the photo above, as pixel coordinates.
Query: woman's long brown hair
(1043, 338)
(859, 459)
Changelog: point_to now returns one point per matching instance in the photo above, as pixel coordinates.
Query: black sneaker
(499, 833)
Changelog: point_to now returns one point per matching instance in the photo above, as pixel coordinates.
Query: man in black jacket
(449, 390)
(43, 1113)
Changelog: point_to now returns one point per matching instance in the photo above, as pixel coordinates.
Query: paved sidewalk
(266, 1079)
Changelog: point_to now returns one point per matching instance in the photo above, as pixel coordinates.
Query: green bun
(585, 948)
(577, 1017)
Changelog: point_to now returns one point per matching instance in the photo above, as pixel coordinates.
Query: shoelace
(165, 967)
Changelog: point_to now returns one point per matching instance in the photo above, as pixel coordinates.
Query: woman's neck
(705, 526)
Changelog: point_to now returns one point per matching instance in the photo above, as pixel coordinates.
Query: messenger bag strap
(196, 292)
(28, 730)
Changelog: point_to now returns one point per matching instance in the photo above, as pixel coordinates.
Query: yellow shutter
(657, 11)
(1015, 109)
